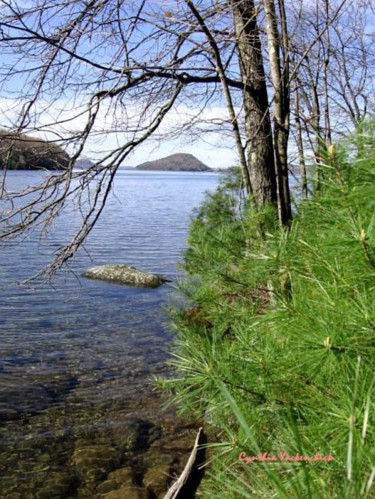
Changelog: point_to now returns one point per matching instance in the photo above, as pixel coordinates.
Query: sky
(214, 157)
(216, 151)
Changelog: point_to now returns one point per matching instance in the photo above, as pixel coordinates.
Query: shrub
(276, 352)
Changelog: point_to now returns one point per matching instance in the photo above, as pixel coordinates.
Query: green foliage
(277, 351)
(219, 219)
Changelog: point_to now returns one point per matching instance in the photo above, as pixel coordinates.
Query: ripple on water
(77, 359)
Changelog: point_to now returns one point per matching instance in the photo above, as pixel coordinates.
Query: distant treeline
(21, 152)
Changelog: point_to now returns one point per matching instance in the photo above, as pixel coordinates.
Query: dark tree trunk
(260, 152)
(278, 50)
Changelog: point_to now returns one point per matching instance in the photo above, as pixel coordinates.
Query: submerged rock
(30, 394)
(124, 274)
(94, 462)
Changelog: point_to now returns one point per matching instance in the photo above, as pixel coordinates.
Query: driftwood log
(189, 480)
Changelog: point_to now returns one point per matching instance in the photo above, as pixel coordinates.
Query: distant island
(84, 164)
(22, 152)
(176, 163)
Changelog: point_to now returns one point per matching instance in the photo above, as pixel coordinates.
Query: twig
(188, 481)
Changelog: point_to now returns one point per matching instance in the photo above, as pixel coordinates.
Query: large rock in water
(124, 274)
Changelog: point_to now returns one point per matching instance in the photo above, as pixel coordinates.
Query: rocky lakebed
(85, 421)
(126, 448)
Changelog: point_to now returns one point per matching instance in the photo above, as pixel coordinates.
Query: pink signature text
(283, 456)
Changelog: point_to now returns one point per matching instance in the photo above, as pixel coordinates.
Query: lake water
(77, 359)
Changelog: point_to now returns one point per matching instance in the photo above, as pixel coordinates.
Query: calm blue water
(82, 346)
(144, 224)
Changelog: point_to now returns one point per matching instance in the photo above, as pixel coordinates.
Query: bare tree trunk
(299, 141)
(326, 52)
(281, 102)
(314, 121)
(259, 143)
(228, 98)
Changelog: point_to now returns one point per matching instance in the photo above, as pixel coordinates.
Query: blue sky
(214, 149)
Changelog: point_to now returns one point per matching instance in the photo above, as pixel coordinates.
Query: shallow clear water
(77, 358)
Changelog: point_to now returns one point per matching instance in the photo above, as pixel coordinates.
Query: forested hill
(176, 162)
(30, 153)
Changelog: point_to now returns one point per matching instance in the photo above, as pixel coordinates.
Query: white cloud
(64, 117)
